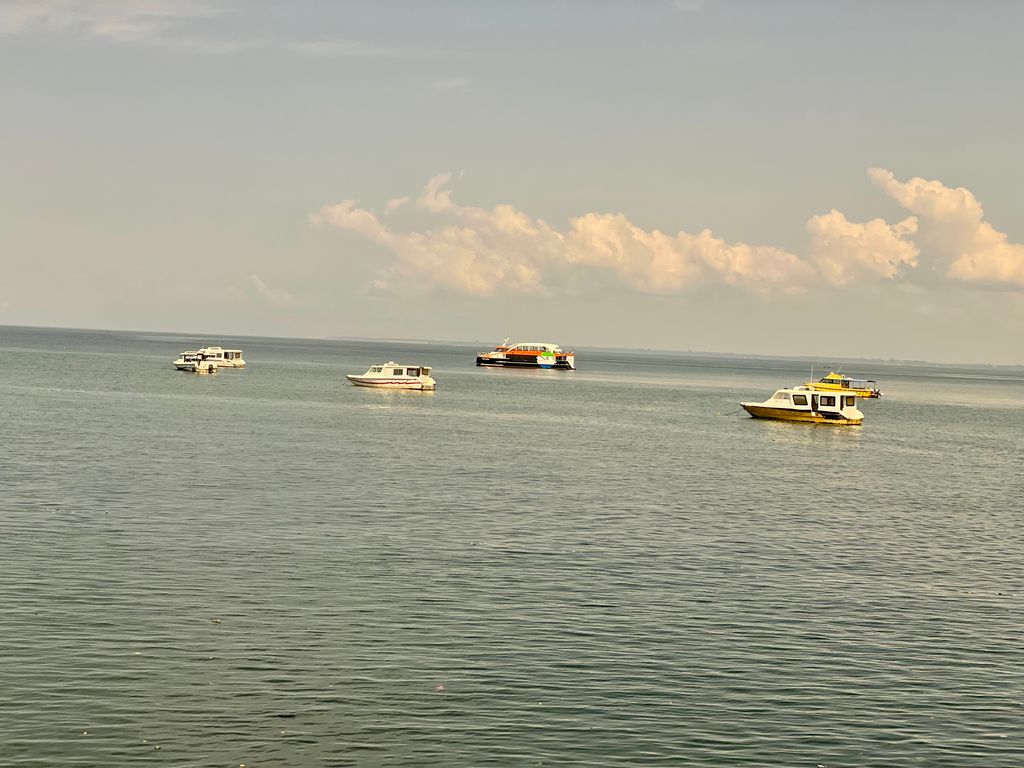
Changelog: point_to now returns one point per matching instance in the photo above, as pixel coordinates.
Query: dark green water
(599, 567)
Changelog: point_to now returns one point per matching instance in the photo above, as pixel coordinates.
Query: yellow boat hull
(788, 414)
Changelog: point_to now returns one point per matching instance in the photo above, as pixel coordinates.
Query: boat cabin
(829, 406)
(532, 349)
(838, 382)
(216, 353)
(391, 369)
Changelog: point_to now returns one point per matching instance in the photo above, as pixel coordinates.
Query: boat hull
(199, 368)
(807, 417)
(414, 384)
(558, 364)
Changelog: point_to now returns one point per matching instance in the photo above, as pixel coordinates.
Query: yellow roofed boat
(837, 382)
(808, 405)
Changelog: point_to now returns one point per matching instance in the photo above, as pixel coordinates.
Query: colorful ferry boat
(807, 404)
(391, 375)
(528, 354)
(837, 382)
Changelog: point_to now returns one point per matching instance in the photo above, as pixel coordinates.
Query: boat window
(780, 396)
(396, 372)
(413, 372)
(376, 369)
(851, 400)
(799, 399)
(829, 400)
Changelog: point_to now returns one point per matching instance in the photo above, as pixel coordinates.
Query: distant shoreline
(826, 362)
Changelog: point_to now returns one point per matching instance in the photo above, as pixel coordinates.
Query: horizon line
(477, 342)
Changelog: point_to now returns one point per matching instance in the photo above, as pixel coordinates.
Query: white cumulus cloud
(481, 251)
(953, 226)
(845, 251)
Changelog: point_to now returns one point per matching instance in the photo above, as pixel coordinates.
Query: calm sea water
(524, 568)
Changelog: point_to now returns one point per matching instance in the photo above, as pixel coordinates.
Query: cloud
(180, 25)
(656, 262)
(844, 251)
(452, 84)
(482, 251)
(276, 297)
(953, 227)
(110, 19)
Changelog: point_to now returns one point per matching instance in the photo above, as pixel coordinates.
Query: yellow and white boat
(806, 404)
(837, 382)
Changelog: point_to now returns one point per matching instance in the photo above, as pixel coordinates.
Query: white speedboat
(187, 360)
(193, 362)
(394, 376)
(806, 404)
(220, 358)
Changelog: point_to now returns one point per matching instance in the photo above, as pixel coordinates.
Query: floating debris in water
(438, 687)
(216, 621)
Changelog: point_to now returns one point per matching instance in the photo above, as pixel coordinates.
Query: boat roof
(807, 389)
(833, 376)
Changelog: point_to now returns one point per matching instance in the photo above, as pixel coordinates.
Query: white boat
(221, 358)
(807, 404)
(193, 362)
(395, 376)
(224, 358)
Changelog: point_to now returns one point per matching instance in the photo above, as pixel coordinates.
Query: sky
(838, 179)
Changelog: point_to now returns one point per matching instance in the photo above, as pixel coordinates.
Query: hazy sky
(803, 178)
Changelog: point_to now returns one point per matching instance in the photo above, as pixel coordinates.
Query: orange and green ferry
(528, 354)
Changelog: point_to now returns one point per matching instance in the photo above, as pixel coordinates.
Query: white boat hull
(393, 383)
(204, 367)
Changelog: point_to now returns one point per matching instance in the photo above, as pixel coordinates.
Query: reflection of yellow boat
(806, 404)
(837, 382)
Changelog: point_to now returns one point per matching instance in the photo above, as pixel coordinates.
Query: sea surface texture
(606, 567)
